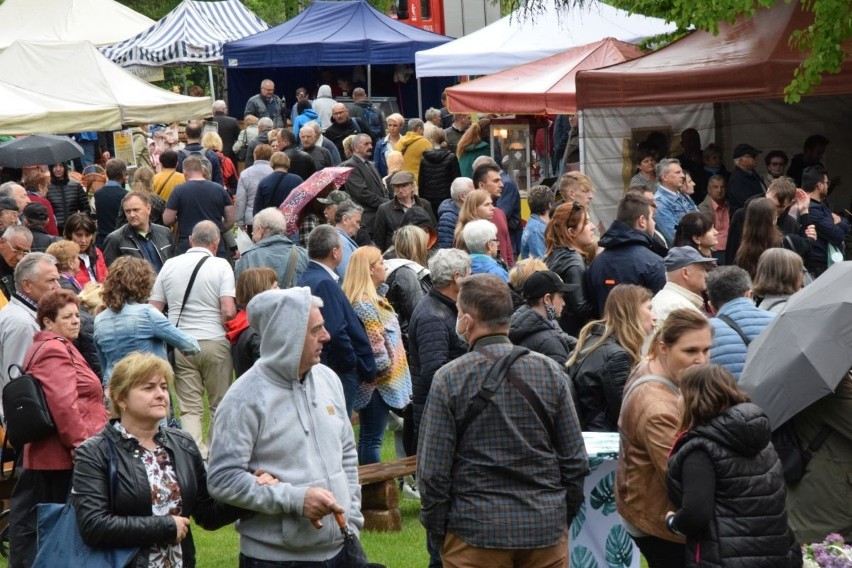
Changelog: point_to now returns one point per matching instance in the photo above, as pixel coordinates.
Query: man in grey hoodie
(287, 416)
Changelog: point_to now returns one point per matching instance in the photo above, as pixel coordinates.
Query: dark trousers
(661, 553)
(33, 487)
(336, 562)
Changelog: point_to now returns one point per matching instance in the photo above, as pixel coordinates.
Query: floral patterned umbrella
(320, 184)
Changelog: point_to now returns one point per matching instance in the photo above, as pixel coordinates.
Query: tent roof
(194, 32)
(100, 21)
(76, 72)
(545, 86)
(748, 60)
(517, 39)
(332, 33)
(25, 112)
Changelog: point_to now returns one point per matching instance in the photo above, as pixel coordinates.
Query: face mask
(551, 312)
(460, 335)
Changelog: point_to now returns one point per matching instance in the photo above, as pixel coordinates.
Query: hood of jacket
(324, 91)
(620, 234)
(236, 326)
(310, 114)
(407, 140)
(419, 217)
(437, 155)
(525, 322)
(448, 206)
(280, 347)
(744, 428)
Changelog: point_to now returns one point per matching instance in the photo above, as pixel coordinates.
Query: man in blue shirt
(672, 204)
(540, 199)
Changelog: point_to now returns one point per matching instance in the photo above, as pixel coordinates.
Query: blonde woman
(477, 205)
(365, 288)
(212, 141)
(607, 351)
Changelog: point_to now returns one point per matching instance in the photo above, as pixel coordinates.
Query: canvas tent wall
(77, 72)
(101, 22)
(517, 39)
(193, 33)
(26, 112)
(327, 33)
(729, 87)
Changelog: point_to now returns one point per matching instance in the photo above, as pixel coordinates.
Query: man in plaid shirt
(506, 492)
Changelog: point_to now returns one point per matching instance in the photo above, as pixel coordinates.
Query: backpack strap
(189, 286)
(733, 325)
(649, 379)
(355, 124)
(291, 268)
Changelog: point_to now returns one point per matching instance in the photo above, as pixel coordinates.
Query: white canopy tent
(78, 74)
(101, 22)
(25, 112)
(517, 39)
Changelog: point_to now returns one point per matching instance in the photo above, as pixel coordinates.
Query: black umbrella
(38, 149)
(354, 555)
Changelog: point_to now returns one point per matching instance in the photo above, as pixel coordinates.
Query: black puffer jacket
(749, 526)
(599, 376)
(85, 344)
(128, 521)
(67, 197)
(579, 309)
(438, 169)
(433, 343)
(408, 283)
(530, 329)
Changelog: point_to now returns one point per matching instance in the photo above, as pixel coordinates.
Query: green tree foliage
(822, 40)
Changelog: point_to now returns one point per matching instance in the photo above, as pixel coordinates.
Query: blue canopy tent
(327, 34)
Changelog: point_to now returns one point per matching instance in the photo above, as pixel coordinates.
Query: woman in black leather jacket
(571, 246)
(606, 352)
(160, 479)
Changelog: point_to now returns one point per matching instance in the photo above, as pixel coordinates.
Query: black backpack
(373, 118)
(25, 408)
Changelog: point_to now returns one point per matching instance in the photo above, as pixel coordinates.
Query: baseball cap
(679, 257)
(336, 197)
(8, 203)
(402, 178)
(545, 282)
(746, 150)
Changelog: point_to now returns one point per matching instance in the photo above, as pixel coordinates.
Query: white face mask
(461, 335)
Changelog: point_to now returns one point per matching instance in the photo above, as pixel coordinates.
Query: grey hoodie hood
(324, 91)
(281, 319)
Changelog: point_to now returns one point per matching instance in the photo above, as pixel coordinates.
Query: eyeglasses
(17, 251)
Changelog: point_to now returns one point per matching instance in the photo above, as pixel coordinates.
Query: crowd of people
(413, 295)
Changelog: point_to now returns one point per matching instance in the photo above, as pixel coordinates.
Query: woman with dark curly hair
(129, 323)
(81, 229)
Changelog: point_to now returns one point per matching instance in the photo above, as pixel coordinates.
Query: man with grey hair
(365, 185)
(343, 125)
(347, 221)
(448, 211)
(509, 201)
(480, 239)
(672, 203)
(348, 353)
(266, 104)
(267, 421)
(412, 146)
(199, 290)
(737, 320)
(35, 276)
(17, 192)
(309, 134)
(264, 125)
(272, 249)
(228, 128)
(16, 242)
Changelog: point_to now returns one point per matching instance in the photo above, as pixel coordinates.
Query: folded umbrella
(804, 353)
(38, 149)
(320, 184)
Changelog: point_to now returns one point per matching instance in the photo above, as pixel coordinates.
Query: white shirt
(202, 315)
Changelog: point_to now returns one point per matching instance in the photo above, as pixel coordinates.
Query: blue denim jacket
(532, 241)
(670, 208)
(137, 327)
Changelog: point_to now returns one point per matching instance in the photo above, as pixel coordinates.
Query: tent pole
(419, 99)
(212, 85)
(183, 72)
(369, 81)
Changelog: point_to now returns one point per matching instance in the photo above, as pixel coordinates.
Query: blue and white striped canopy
(194, 32)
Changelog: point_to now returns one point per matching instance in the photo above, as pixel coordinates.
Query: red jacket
(74, 397)
(83, 276)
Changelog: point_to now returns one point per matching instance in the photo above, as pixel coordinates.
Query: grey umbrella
(38, 149)
(807, 349)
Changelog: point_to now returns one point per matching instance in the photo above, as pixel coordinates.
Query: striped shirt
(505, 484)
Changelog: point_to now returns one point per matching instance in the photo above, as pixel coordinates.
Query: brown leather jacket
(648, 425)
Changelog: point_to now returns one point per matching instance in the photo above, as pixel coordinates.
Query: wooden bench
(380, 493)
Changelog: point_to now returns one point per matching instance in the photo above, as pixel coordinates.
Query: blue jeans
(350, 381)
(374, 422)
